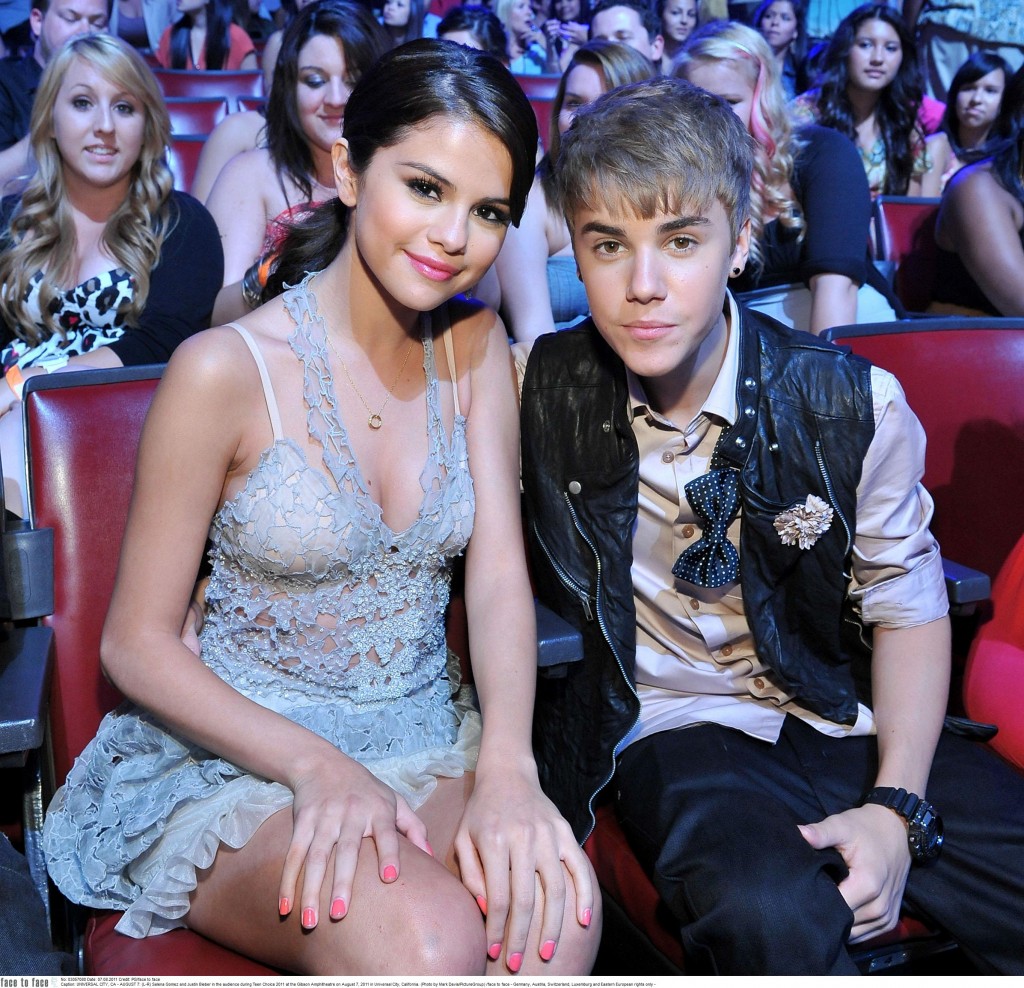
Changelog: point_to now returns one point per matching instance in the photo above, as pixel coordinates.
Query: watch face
(925, 834)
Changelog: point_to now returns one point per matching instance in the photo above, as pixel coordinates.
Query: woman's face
(430, 212)
(875, 57)
(567, 10)
(396, 13)
(978, 102)
(727, 79)
(778, 25)
(678, 19)
(98, 128)
(190, 6)
(322, 90)
(520, 17)
(582, 86)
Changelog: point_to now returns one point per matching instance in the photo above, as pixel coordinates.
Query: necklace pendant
(375, 421)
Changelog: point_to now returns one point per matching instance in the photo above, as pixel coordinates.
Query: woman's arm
(511, 833)
(981, 221)
(236, 133)
(270, 52)
(939, 155)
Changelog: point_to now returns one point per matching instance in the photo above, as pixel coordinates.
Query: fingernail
(547, 950)
(390, 873)
(284, 906)
(494, 951)
(515, 962)
(482, 903)
(430, 850)
(308, 918)
(586, 917)
(338, 908)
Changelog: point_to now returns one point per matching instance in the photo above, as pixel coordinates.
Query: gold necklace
(374, 421)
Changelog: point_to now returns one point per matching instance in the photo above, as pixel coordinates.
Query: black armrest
(26, 658)
(558, 642)
(28, 570)
(965, 587)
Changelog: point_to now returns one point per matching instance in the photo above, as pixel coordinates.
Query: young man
(731, 512)
(630, 22)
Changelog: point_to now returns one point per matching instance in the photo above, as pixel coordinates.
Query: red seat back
(228, 83)
(904, 233)
(195, 114)
(539, 86)
(183, 159)
(963, 379)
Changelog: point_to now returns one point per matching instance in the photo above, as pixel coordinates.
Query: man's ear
(35, 21)
(742, 248)
(345, 177)
(657, 48)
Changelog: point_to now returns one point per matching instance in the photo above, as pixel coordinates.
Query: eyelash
(426, 188)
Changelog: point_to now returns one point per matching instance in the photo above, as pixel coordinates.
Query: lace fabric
(295, 550)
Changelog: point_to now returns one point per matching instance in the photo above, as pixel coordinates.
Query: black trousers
(712, 815)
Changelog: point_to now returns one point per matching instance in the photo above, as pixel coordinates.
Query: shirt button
(727, 650)
(667, 456)
(687, 531)
(575, 487)
(694, 603)
(759, 683)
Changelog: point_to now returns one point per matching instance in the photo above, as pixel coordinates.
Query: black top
(831, 187)
(182, 287)
(19, 79)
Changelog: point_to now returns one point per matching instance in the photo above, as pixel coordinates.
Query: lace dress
(142, 808)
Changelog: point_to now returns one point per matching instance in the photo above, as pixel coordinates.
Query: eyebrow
(680, 223)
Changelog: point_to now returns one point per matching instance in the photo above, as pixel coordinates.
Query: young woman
(311, 791)
(809, 203)
(527, 52)
(539, 252)
(678, 21)
(205, 37)
(567, 30)
(407, 19)
(975, 101)
(783, 24)
(869, 88)
(477, 27)
(325, 50)
(101, 263)
(272, 46)
(141, 22)
(980, 230)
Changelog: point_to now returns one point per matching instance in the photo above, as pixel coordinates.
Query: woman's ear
(345, 178)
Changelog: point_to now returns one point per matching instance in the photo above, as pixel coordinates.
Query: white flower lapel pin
(805, 523)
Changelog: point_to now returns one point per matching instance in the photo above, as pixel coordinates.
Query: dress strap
(449, 352)
(268, 388)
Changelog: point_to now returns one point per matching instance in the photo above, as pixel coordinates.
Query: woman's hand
(513, 843)
(337, 804)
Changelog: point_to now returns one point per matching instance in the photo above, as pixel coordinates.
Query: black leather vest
(804, 425)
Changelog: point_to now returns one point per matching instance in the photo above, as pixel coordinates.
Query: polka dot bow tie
(712, 561)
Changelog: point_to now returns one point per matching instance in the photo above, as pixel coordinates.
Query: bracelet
(15, 381)
(251, 288)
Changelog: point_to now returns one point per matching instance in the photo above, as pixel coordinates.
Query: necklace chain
(374, 420)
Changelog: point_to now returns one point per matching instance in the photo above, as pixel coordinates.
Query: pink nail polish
(586, 917)
(547, 950)
(482, 903)
(338, 908)
(308, 918)
(515, 962)
(430, 850)
(494, 951)
(390, 873)
(284, 906)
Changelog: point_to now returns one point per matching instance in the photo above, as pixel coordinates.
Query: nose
(103, 119)
(877, 53)
(450, 229)
(337, 93)
(646, 278)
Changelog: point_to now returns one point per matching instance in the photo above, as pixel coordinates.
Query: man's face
(657, 286)
(65, 19)
(623, 24)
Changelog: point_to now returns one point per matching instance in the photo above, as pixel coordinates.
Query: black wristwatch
(924, 825)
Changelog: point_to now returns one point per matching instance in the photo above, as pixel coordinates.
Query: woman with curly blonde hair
(809, 201)
(102, 264)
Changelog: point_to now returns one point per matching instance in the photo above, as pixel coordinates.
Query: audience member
(142, 22)
(407, 19)
(53, 22)
(15, 30)
(539, 252)
(678, 20)
(311, 791)
(268, 57)
(103, 264)
(869, 88)
(527, 54)
(205, 37)
(768, 768)
(980, 230)
(258, 192)
(810, 208)
(567, 30)
(476, 27)
(783, 24)
(975, 101)
(630, 22)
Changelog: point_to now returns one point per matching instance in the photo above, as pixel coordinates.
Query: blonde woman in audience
(326, 48)
(537, 255)
(527, 46)
(102, 263)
